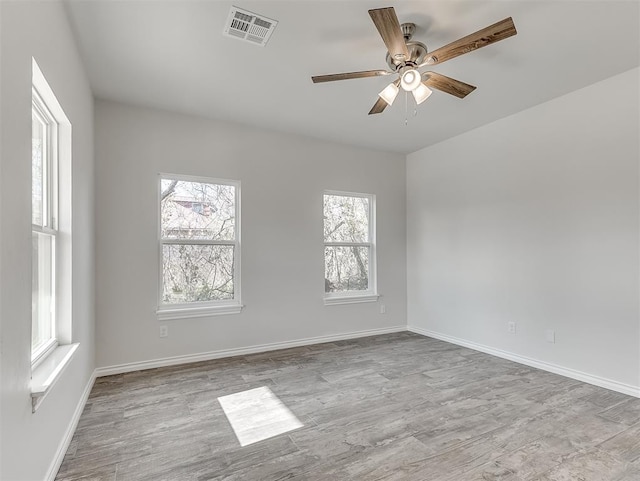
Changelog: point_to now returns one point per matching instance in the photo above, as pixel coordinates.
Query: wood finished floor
(392, 407)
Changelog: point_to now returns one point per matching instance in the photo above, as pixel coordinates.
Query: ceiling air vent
(249, 27)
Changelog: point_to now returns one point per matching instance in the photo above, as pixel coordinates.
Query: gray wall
(30, 441)
(283, 178)
(534, 219)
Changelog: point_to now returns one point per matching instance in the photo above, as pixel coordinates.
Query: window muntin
(349, 248)
(44, 159)
(199, 237)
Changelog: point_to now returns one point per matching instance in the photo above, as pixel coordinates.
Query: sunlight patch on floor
(257, 414)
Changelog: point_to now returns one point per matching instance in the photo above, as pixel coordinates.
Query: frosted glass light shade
(389, 93)
(421, 93)
(410, 80)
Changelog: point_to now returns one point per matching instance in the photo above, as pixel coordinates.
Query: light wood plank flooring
(393, 407)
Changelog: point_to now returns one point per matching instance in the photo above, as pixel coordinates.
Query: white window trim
(332, 301)
(191, 310)
(186, 311)
(371, 294)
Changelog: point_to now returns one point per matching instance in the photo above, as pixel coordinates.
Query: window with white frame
(51, 268)
(349, 247)
(199, 246)
(44, 184)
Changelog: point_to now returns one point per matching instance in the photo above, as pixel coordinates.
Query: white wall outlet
(383, 309)
(164, 331)
(550, 334)
(511, 327)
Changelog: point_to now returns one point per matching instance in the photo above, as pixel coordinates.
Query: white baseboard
(71, 429)
(207, 356)
(545, 366)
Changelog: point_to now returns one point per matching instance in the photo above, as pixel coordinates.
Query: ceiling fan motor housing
(417, 55)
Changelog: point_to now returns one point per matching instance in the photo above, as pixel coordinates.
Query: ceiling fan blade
(378, 107)
(447, 84)
(381, 103)
(349, 75)
(491, 34)
(388, 26)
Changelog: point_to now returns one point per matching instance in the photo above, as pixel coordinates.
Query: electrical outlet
(383, 309)
(511, 327)
(164, 331)
(550, 334)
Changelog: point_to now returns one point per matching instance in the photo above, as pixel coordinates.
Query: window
(44, 167)
(349, 247)
(199, 247)
(51, 204)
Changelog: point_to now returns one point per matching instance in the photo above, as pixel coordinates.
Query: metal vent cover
(248, 26)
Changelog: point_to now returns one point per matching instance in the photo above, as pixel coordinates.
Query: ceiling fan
(405, 57)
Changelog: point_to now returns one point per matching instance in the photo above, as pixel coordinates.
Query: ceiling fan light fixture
(421, 93)
(389, 93)
(410, 80)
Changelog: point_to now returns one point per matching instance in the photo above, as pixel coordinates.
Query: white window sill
(166, 314)
(330, 301)
(45, 375)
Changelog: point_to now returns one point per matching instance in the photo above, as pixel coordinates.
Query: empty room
(319, 240)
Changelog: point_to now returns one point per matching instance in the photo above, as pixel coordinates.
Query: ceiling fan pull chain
(406, 108)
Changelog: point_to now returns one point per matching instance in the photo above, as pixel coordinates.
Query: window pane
(346, 268)
(38, 169)
(42, 295)
(346, 219)
(197, 210)
(193, 273)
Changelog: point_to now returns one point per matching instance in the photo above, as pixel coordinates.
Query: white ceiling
(172, 55)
